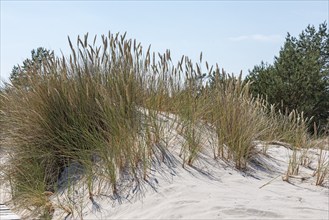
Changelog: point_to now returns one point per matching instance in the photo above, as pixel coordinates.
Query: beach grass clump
(321, 173)
(292, 128)
(83, 109)
(189, 129)
(191, 108)
(104, 109)
(237, 118)
(322, 170)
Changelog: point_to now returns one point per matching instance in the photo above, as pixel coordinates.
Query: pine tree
(299, 76)
(20, 73)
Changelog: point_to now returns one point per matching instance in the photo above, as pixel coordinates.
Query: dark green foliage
(21, 73)
(299, 77)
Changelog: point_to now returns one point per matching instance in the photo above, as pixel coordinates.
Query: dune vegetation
(103, 109)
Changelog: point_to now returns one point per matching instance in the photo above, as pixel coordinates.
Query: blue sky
(235, 34)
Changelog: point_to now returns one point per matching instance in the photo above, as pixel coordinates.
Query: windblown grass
(83, 110)
(100, 108)
(322, 170)
(237, 117)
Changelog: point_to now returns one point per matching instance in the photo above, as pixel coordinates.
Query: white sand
(212, 189)
(6, 214)
(215, 190)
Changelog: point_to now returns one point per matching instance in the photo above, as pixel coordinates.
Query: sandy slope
(211, 189)
(214, 190)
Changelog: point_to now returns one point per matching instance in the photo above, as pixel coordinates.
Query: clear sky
(235, 34)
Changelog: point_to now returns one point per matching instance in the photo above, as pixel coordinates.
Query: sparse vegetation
(103, 108)
(322, 170)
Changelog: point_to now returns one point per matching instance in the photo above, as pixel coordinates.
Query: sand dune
(214, 190)
(210, 189)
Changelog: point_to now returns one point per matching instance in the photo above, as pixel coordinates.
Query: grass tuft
(104, 108)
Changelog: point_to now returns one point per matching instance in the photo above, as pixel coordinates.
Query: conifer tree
(299, 76)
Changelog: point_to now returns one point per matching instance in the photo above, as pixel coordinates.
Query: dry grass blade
(100, 110)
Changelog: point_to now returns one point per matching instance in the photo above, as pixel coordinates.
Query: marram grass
(100, 107)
